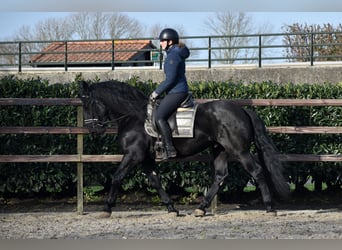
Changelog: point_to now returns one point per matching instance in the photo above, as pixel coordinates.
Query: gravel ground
(252, 224)
(146, 221)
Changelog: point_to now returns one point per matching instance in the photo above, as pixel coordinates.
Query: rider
(175, 86)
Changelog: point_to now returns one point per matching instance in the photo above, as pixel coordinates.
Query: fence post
(209, 52)
(260, 51)
(161, 57)
(19, 59)
(312, 49)
(80, 164)
(113, 55)
(66, 56)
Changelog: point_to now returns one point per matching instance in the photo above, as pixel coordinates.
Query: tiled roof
(124, 50)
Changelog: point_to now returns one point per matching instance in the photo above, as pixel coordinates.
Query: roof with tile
(93, 51)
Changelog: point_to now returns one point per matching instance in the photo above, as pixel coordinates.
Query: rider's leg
(166, 133)
(166, 108)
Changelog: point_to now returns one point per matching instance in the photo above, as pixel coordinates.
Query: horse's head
(94, 110)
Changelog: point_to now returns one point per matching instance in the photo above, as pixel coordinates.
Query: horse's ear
(83, 88)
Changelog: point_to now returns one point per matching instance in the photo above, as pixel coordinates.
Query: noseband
(94, 123)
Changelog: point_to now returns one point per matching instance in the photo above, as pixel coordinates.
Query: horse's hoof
(199, 212)
(104, 215)
(271, 212)
(172, 210)
(173, 213)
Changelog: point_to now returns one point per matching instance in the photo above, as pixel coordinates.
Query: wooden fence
(80, 158)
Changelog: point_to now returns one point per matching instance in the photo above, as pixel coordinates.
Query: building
(97, 54)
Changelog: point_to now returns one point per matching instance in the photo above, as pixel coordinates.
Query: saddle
(181, 122)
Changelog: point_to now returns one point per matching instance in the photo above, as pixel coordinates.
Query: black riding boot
(166, 133)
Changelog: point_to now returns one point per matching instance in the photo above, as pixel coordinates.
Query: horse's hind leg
(220, 173)
(257, 172)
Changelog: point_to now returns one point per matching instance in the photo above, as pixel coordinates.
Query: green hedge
(191, 177)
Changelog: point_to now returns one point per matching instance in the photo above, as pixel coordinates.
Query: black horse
(226, 128)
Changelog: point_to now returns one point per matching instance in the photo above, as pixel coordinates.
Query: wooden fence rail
(80, 158)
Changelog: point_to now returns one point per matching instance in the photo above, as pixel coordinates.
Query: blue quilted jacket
(174, 69)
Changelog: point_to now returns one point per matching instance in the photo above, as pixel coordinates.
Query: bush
(190, 177)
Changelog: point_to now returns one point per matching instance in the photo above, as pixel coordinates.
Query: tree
(47, 30)
(98, 25)
(11, 49)
(122, 26)
(89, 25)
(82, 25)
(300, 37)
(54, 29)
(232, 28)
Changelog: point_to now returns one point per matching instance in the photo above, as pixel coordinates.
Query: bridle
(95, 123)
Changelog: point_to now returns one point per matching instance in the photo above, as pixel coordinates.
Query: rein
(101, 123)
(95, 122)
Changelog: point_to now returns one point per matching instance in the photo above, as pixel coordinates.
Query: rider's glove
(153, 96)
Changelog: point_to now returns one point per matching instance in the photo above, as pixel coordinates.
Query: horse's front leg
(126, 164)
(154, 181)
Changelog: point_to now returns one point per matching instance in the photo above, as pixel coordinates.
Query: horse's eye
(85, 98)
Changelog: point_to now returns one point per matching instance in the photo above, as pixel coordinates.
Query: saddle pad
(185, 119)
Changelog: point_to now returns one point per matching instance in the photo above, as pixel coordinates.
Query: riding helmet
(169, 34)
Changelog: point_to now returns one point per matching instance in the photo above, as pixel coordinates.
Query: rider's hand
(153, 96)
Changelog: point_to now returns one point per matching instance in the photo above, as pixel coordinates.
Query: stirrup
(159, 150)
(170, 153)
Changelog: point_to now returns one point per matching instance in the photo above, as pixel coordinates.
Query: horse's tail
(267, 155)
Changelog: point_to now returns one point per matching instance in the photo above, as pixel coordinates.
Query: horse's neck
(133, 122)
(120, 107)
(124, 116)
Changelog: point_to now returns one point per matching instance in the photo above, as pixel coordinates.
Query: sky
(172, 6)
(12, 21)
(190, 14)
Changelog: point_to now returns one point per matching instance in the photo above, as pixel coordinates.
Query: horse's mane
(123, 98)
